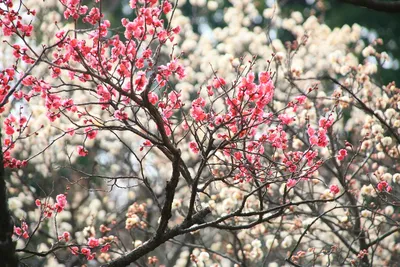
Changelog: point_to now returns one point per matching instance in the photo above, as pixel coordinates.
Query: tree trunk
(7, 247)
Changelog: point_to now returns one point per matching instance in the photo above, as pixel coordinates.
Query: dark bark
(8, 257)
(382, 6)
(158, 240)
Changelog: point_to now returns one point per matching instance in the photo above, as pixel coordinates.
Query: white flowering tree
(149, 144)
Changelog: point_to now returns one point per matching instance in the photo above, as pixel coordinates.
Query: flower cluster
(48, 209)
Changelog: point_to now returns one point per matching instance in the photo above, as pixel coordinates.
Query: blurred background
(335, 13)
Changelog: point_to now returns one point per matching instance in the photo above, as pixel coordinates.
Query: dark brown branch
(169, 198)
(7, 247)
(383, 236)
(381, 6)
(154, 242)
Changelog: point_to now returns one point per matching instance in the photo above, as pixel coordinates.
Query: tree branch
(155, 242)
(381, 6)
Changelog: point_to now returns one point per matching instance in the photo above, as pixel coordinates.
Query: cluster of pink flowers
(197, 110)
(194, 147)
(291, 183)
(11, 22)
(13, 125)
(90, 133)
(334, 189)
(362, 253)
(6, 76)
(74, 9)
(61, 202)
(168, 106)
(218, 82)
(93, 242)
(22, 231)
(248, 107)
(82, 151)
(147, 23)
(342, 154)
(59, 206)
(8, 125)
(320, 137)
(120, 115)
(87, 251)
(384, 186)
(66, 236)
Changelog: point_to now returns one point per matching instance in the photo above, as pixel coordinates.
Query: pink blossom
(55, 72)
(140, 81)
(132, 3)
(28, 80)
(177, 29)
(85, 251)
(334, 189)
(9, 130)
(237, 155)
(71, 131)
(285, 119)
(66, 236)
(291, 183)
(90, 257)
(264, 77)
(139, 63)
(193, 147)
(166, 7)
(382, 186)
(196, 111)
(90, 133)
(301, 99)
(120, 115)
(61, 202)
(18, 94)
(93, 242)
(322, 137)
(198, 114)
(313, 140)
(162, 35)
(147, 53)
(153, 98)
(342, 154)
(105, 248)
(326, 123)
(17, 231)
(74, 250)
(22, 120)
(310, 155)
(218, 82)
(61, 199)
(310, 131)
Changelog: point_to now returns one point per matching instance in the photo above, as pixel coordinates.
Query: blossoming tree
(146, 143)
